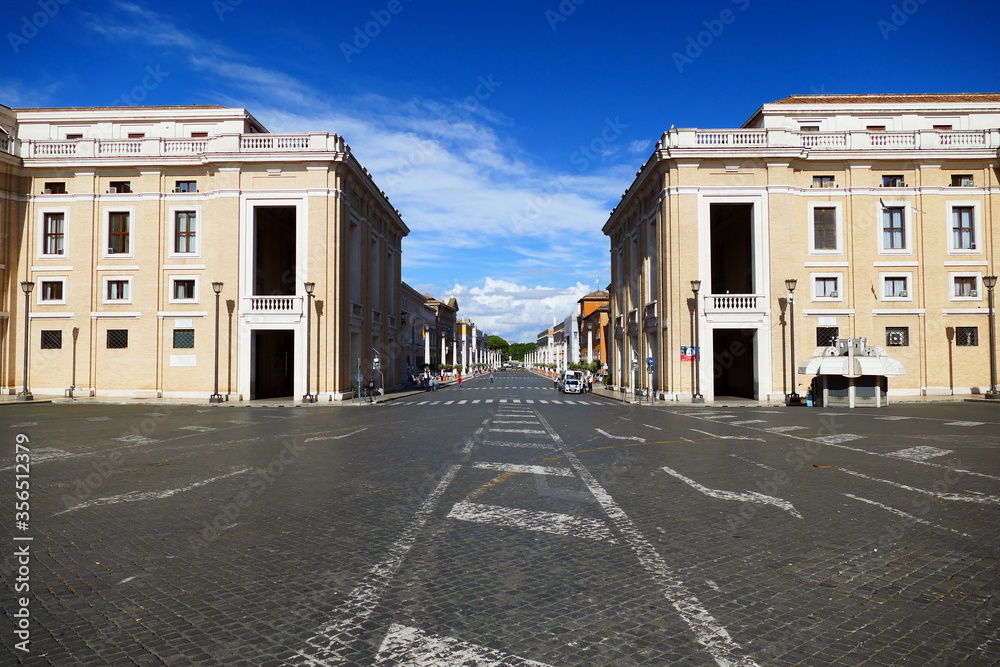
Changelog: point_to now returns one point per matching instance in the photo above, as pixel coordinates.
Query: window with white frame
(185, 232)
(117, 289)
(825, 222)
(826, 286)
(963, 229)
(896, 286)
(51, 291)
(965, 286)
(52, 234)
(894, 231)
(183, 289)
(117, 231)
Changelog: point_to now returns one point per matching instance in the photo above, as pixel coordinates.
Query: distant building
(595, 316)
(124, 218)
(883, 208)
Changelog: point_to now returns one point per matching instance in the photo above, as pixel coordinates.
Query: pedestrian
(431, 381)
(491, 378)
(371, 390)
(458, 376)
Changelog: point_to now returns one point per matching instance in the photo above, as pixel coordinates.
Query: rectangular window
(184, 289)
(183, 338)
(823, 182)
(826, 287)
(73, 136)
(963, 228)
(962, 181)
(942, 128)
(825, 228)
(967, 336)
(53, 232)
(897, 336)
(118, 229)
(893, 181)
(893, 228)
(136, 135)
(117, 339)
(199, 135)
(185, 231)
(965, 286)
(809, 128)
(186, 186)
(52, 290)
(120, 186)
(51, 340)
(875, 128)
(118, 290)
(55, 188)
(827, 336)
(895, 287)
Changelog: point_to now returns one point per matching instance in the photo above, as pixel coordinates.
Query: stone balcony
(158, 147)
(832, 141)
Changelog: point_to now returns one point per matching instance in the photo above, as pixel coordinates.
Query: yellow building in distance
(126, 219)
(882, 208)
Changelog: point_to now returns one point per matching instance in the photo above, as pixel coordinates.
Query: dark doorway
(733, 362)
(732, 248)
(274, 250)
(273, 356)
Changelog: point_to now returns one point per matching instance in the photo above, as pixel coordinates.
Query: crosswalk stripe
(527, 469)
(545, 522)
(522, 445)
(489, 400)
(476, 401)
(463, 402)
(542, 401)
(448, 402)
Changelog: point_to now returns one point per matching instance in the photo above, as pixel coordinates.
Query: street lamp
(27, 286)
(697, 398)
(793, 397)
(216, 397)
(990, 282)
(308, 398)
(590, 342)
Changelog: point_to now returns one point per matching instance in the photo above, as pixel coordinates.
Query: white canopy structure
(851, 372)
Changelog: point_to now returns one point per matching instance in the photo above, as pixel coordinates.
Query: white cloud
(516, 312)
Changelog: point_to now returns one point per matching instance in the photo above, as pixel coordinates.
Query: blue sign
(650, 361)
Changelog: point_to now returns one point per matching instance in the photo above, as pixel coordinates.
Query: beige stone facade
(125, 217)
(883, 208)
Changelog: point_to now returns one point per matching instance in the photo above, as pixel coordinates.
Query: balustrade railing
(273, 304)
(733, 302)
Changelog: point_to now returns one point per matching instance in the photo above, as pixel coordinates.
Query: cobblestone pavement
(515, 532)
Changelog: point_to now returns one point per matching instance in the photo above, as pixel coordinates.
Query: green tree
(520, 350)
(496, 343)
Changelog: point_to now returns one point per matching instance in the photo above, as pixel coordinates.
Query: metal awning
(849, 366)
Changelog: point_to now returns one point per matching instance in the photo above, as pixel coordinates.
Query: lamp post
(793, 397)
(26, 286)
(990, 282)
(216, 397)
(697, 398)
(308, 398)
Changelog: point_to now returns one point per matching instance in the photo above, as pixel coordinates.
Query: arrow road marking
(746, 496)
(632, 438)
(133, 496)
(730, 437)
(336, 437)
(908, 517)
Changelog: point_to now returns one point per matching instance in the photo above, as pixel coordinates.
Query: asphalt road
(501, 524)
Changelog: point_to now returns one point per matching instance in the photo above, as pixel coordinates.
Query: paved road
(504, 524)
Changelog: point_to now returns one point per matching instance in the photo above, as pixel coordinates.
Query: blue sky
(504, 132)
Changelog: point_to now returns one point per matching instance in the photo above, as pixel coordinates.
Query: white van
(572, 382)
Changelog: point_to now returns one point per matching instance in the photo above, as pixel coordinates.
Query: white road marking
(656, 428)
(329, 642)
(135, 496)
(489, 400)
(24, 424)
(982, 498)
(409, 646)
(43, 454)
(529, 400)
(731, 437)
(752, 462)
(960, 423)
(126, 580)
(707, 631)
(784, 429)
(892, 418)
(337, 437)
(837, 439)
(525, 445)
(135, 439)
(197, 429)
(463, 401)
(749, 421)
(534, 520)
(719, 416)
(448, 402)
(476, 401)
(631, 438)
(528, 469)
(542, 401)
(908, 517)
(515, 421)
(744, 497)
(98, 419)
(921, 453)
(527, 431)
